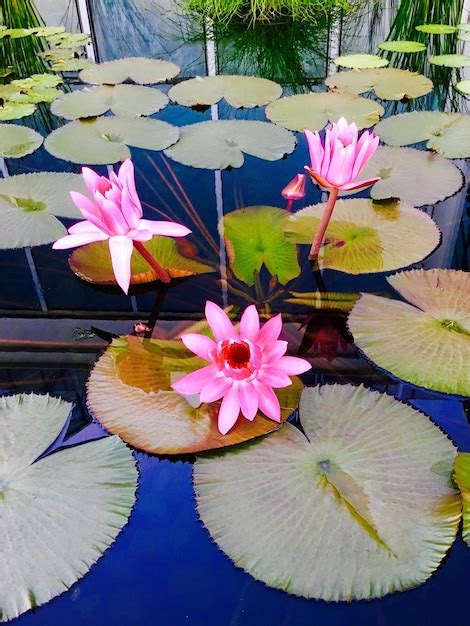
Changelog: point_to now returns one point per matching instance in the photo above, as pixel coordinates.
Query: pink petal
(229, 410)
(89, 210)
(274, 377)
(91, 179)
(315, 149)
(360, 184)
(84, 227)
(140, 235)
(274, 351)
(219, 322)
(318, 179)
(329, 142)
(293, 365)
(341, 164)
(113, 218)
(168, 229)
(127, 179)
(79, 239)
(295, 190)
(249, 323)
(199, 344)
(365, 152)
(270, 331)
(215, 389)
(248, 397)
(130, 210)
(194, 382)
(268, 402)
(121, 249)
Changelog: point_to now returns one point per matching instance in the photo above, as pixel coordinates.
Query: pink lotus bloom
(337, 163)
(295, 190)
(115, 216)
(244, 367)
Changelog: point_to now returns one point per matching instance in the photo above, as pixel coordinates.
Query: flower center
(237, 354)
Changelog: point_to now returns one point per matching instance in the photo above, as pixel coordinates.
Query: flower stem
(154, 264)
(289, 205)
(325, 220)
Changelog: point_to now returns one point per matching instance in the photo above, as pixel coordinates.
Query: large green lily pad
(15, 110)
(462, 478)
(138, 69)
(426, 342)
(388, 83)
(220, 144)
(60, 513)
(451, 60)
(446, 133)
(18, 141)
(106, 140)
(70, 64)
(364, 237)
(313, 111)
(335, 512)
(360, 61)
(402, 46)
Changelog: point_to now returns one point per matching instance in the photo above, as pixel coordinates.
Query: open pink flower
(338, 162)
(244, 367)
(115, 216)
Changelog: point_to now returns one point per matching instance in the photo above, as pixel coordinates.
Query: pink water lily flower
(295, 190)
(245, 366)
(116, 216)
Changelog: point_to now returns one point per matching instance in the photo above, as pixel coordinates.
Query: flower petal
(79, 239)
(195, 381)
(274, 377)
(315, 149)
(215, 389)
(229, 410)
(318, 179)
(270, 331)
(89, 210)
(168, 229)
(219, 322)
(126, 177)
(84, 227)
(249, 323)
(121, 249)
(360, 184)
(248, 399)
(274, 351)
(268, 402)
(199, 344)
(131, 211)
(292, 365)
(91, 179)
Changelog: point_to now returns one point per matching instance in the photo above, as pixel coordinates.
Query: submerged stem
(325, 220)
(154, 264)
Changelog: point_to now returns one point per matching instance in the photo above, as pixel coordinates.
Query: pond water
(164, 567)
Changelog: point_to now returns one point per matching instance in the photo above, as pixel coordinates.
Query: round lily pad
(220, 144)
(465, 27)
(18, 141)
(426, 342)
(313, 111)
(254, 237)
(106, 140)
(462, 478)
(145, 411)
(37, 80)
(402, 46)
(15, 110)
(68, 40)
(464, 86)
(360, 61)
(335, 512)
(47, 31)
(29, 204)
(365, 237)
(451, 60)
(60, 513)
(464, 36)
(16, 33)
(388, 83)
(124, 100)
(138, 69)
(238, 91)
(436, 29)
(93, 262)
(71, 64)
(418, 177)
(446, 133)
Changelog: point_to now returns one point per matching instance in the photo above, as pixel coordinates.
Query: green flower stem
(325, 220)
(154, 264)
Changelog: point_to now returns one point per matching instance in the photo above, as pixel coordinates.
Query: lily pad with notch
(462, 478)
(360, 61)
(388, 83)
(451, 60)
(18, 141)
(140, 70)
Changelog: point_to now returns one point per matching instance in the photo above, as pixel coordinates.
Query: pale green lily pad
(60, 513)
(139, 69)
(69, 40)
(254, 237)
(360, 61)
(446, 133)
(426, 342)
(18, 141)
(465, 27)
(106, 140)
(451, 60)
(220, 144)
(125, 100)
(416, 176)
(34, 95)
(16, 33)
(388, 83)
(313, 111)
(464, 87)
(462, 478)
(436, 29)
(47, 31)
(464, 36)
(37, 80)
(402, 46)
(15, 110)
(71, 64)
(336, 513)
(365, 237)
(29, 204)
(238, 91)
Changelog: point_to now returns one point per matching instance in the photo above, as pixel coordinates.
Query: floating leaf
(364, 237)
(436, 29)
(37, 80)
(138, 69)
(328, 300)
(15, 110)
(388, 83)
(148, 414)
(464, 86)
(60, 513)
(416, 176)
(465, 27)
(402, 46)
(125, 100)
(18, 141)
(451, 60)
(337, 513)
(446, 133)
(71, 64)
(106, 140)
(47, 31)
(360, 61)
(29, 203)
(427, 342)
(238, 91)
(464, 36)
(16, 33)
(220, 144)
(93, 262)
(462, 478)
(254, 237)
(69, 40)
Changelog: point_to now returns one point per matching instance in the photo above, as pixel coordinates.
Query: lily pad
(68, 40)
(360, 61)
(106, 140)
(18, 141)
(446, 133)
(71, 64)
(217, 145)
(16, 33)
(60, 513)
(47, 31)
(451, 60)
(416, 176)
(388, 83)
(327, 300)
(145, 411)
(254, 237)
(464, 36)
(15, 110)
(125, 100)
(93, 262)
(464, 86)
(462, 478)
(335, 513)
(37, 80)
(365, 237)
(238, 91)
(313, 111)
(29, 204)
(402, 46)
(436, 29)
(426, 342)
(138, 69)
